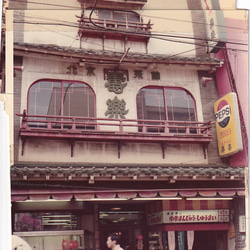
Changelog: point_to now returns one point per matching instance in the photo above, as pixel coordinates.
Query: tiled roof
(51, 49)
(84, 172)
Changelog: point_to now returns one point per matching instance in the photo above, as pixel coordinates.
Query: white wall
(5, 208)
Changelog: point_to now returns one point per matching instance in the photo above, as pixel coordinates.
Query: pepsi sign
(223, 113)
(228, 125)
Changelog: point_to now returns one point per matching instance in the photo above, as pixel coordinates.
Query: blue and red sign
(223, 113)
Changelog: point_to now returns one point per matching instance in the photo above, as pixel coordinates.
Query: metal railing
(115, 24)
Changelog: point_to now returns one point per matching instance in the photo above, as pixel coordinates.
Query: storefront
(190, 229)
(147, 220)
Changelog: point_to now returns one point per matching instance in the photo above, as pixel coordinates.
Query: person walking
(113, 241)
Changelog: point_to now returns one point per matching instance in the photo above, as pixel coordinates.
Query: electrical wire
(155, 34)
(163, 18)
(151, 35)
(200, 23)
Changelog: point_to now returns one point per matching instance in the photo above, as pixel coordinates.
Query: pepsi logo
(223, 113)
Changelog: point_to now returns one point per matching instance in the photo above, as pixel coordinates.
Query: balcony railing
(118, 130)
(111, 28)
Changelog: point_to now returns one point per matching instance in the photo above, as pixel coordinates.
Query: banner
(171, 240)
(190, 239)
(181, 240)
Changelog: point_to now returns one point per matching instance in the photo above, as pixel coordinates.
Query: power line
(151, 35)
(200, 23)
(70, 24)
(163, 18)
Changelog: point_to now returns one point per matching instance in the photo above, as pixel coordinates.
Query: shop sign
(228, 125)
(155, 218)
(189, 216)
(215, 32)
(242, 224)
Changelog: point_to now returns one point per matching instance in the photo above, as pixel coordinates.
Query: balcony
(114, 130)
(114, 29)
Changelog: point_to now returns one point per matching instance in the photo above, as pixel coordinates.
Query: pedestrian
(113, 241)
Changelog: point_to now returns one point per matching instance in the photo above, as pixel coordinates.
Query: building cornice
(105, 57)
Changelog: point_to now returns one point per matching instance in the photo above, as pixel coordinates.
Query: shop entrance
(128, 236)
(129, 223)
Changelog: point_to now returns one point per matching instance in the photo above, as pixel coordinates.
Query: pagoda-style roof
(82, 55)
(84, 172)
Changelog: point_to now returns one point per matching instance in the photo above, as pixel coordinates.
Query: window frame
(126, 13)
(62, 96)
(159, 128)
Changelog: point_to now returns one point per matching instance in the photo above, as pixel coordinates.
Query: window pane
(105, 14)
(180, 105)
(150, 104)
(55, 98)
(120, 16)
(46, 221)
(132, 17)
(44, 98)
(78, 100)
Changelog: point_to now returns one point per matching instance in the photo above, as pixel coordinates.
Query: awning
(57, 195)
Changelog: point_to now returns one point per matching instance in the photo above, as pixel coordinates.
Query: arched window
(165, 103)
(61, 98)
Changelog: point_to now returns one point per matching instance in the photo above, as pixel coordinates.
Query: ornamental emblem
(116, 108)
(116, 82)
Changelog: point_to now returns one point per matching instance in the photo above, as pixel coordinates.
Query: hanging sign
(181, 240)
(228, 125)
(190, 239)
(171, 240)
(242, 224)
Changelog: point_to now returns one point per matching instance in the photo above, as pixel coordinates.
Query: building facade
(114, 125)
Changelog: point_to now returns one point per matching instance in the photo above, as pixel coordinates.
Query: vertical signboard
(214, 16)
(228, 125)
(181, 240)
